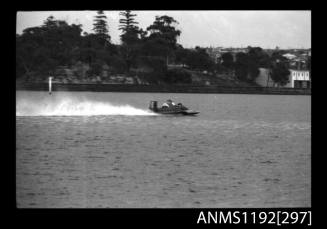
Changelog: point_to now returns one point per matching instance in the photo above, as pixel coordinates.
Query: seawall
(213, 89)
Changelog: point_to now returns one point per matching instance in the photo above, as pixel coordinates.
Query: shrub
(177, 76)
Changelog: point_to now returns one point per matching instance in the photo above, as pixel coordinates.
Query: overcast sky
(267, 29)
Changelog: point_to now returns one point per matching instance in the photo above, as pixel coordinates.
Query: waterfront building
(297, 79)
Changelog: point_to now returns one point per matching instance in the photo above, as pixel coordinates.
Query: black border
(109, 217)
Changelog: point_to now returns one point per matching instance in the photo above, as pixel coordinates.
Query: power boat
(175, 109)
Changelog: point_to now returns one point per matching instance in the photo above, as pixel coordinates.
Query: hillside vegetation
(150, 56)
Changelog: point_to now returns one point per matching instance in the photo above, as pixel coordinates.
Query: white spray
(58, 105)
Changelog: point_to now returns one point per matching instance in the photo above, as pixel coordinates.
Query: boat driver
(169, 104)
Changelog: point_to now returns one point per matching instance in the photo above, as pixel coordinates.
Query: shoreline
(212, 89)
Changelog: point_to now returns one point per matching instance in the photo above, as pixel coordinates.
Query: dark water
(240, 151)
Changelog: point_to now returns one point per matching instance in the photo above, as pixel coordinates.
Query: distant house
(289, 56)
(298, 61)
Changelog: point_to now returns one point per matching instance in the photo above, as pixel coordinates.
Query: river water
(106, 150)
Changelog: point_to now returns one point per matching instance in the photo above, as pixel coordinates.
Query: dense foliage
(101, 28)
(41, 50)
(279, 69)
(178, 76)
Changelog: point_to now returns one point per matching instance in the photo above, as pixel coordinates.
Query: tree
(100, 28)
(280, 73)
(247, 64)
(259, 56)
(199, 59)
(130, 32)
(163, 36)
(130, 38)
(241, 66)
(227, 60)
(279, 68)
(163, 27)
(157, 44)
(181, 55)
(39, 50)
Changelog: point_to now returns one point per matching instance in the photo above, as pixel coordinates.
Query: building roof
(289, 56)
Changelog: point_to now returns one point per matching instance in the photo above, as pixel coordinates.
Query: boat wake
(73, 107)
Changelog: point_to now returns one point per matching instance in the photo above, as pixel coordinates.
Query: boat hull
(181, 112)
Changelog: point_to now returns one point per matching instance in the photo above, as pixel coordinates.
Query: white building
(297, 79)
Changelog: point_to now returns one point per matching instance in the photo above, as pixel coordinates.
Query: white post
(50, 84)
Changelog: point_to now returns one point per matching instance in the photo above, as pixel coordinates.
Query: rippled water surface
(83, 149)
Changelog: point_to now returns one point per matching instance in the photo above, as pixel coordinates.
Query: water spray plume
(73, 107)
